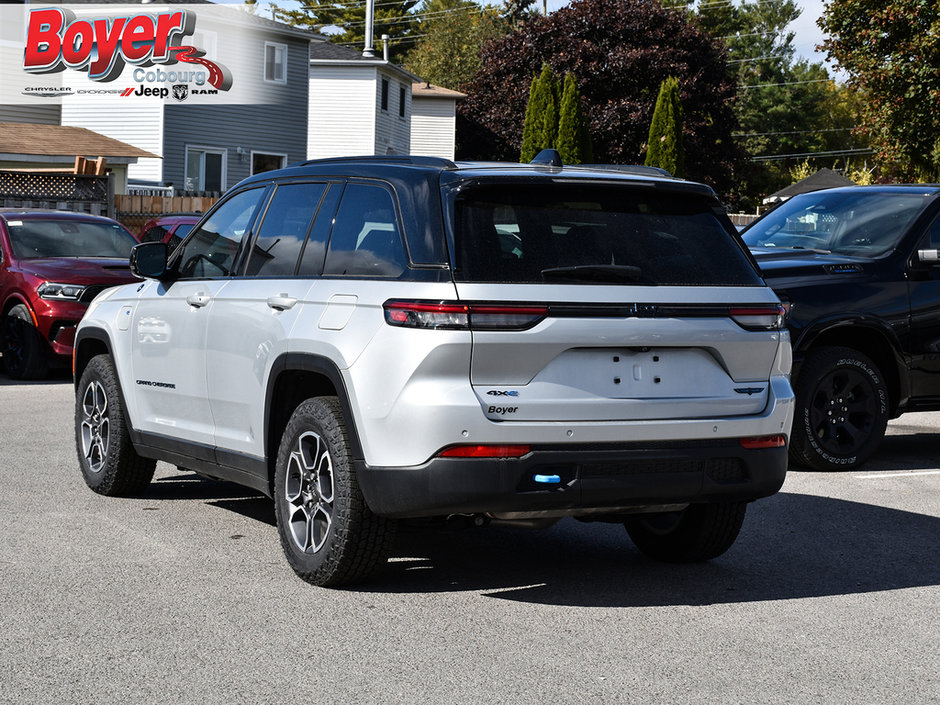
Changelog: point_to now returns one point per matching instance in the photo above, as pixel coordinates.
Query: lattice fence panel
(53, 187)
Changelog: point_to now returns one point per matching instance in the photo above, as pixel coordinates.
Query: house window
(275, 62)
(205, 169)
(262, 161)
(384, 94)
(401, 100)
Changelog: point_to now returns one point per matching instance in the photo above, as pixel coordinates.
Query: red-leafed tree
(620, 51)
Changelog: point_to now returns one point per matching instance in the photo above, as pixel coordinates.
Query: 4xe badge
(180, 91)
(502, 393)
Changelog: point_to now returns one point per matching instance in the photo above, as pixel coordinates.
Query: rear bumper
(591, 477)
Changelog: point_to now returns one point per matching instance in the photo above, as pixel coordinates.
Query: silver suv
(374, 339)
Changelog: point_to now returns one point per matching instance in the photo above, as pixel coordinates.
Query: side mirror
(148, 260)
(928, 256)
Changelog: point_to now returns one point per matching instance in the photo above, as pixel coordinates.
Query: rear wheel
(698, 533)
(329, 535)
(841, 410)
(107, 458)
(24, 354)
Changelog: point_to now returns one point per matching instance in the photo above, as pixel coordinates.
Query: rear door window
(366, 238)
(593, 233)
(154, 234)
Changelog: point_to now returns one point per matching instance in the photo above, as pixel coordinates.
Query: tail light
(770, 317)
(487, 451)
(758, 442)
(457, 316)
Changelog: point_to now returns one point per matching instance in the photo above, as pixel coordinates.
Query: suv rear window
(591, 233)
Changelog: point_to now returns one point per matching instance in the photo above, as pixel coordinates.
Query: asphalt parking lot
(830, 595)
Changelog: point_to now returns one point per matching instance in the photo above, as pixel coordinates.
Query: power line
(794, 132)
(803, 155)
(786, 83)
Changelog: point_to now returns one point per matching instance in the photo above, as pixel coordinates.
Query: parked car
(52, 264)
(170, 228)
(858, 267)
(373, 339)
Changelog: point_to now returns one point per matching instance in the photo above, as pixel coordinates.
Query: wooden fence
(134, 211)
(86, 193)
(742, 218)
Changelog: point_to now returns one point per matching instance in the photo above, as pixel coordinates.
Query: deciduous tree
(620, 51)
(891, 51)
(454, 34)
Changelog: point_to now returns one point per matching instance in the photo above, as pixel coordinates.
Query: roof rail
(635, 169)
(439, 162)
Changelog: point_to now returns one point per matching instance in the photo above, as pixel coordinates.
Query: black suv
(859, 268)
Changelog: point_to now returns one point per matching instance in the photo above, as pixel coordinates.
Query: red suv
(170, 228)
(52, 264)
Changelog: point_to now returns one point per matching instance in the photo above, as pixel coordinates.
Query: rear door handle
(282, 302)
(198, 300)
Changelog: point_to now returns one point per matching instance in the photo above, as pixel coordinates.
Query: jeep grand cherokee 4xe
(373, 339)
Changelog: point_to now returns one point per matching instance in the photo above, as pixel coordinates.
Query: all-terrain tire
(328, 533)
(106, 456)
(841, 410)
(24, 351)
(698, 533)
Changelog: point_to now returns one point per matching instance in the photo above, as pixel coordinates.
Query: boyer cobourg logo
(56, 40)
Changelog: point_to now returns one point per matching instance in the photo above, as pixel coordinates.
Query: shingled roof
(21, 138)
(822, 179)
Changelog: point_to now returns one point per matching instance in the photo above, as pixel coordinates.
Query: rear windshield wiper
(594, 273)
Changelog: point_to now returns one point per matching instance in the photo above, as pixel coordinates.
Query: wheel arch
(88, 343)
(295, 377)
(15, 299)
(871, 337)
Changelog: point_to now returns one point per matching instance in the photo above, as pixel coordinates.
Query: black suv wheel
(698, 533)
(23, 353)
(109, 463)
(328, 533)
(841, 410)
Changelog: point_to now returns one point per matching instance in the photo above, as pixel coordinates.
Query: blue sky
(808, 35)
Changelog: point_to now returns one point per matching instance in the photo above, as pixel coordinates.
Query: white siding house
(359, 105)
(138, 122)
(433, 120)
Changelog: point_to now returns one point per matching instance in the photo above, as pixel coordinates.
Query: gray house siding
(38, 114)
(278, 126)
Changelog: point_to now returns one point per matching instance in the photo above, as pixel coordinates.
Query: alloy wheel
(309, 492)
(95, 426)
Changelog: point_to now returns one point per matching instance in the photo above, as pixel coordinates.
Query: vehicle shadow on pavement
(55, 377)
(791, 546)
(912, 450)
(216, 493)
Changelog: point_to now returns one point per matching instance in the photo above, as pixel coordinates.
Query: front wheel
(108, 460)
(841, 410)
(329, 535)
(698, 533)
(24, 353)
